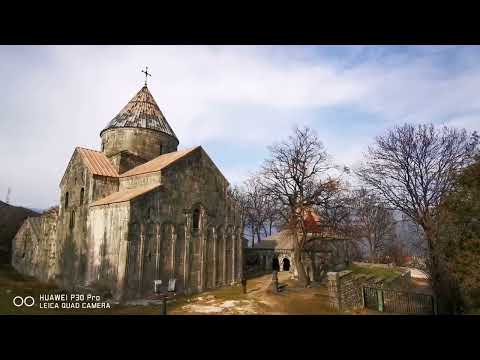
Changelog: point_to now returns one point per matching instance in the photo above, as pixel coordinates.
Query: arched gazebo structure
(320, 254)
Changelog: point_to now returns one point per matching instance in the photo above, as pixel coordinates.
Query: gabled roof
(142, 112)
(159, 163)
(282, 240)
(97, 162)
(125, 195)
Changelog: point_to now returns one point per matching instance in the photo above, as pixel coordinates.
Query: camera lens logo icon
(27, 301)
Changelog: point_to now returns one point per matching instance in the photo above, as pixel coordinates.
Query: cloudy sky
(232, 100)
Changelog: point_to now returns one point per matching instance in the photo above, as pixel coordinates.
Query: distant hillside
(11, 218)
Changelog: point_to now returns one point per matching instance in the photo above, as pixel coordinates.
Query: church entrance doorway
(286, 264)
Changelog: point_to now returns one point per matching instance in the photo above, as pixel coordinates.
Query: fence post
(380, 300)
(363, 296)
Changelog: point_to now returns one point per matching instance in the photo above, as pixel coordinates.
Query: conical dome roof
(142, 112)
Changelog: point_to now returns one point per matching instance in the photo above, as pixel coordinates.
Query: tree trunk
(372, 253)
(253, 235)
(302, 275)
(440, 284)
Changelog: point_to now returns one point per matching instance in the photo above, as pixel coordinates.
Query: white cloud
(64, 95)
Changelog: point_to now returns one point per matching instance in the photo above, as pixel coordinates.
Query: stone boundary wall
(345, 287)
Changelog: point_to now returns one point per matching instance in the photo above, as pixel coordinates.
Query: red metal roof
(97, 162)
(125, 195)
(158, 163)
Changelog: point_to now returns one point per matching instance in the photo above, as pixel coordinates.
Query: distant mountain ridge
(40, 211)
(11, 218)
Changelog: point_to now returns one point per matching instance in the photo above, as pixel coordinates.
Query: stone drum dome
(140, 129)
(141, 112)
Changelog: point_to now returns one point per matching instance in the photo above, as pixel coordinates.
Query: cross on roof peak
(146, 74)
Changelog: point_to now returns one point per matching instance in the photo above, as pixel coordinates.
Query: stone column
(234, 252)
(334, 290)
(214, 272)
(240, 254)
(174, 243)
(201, 234)
(187, 229)
(158, 232)
(140, 258)
(224, 240)
(123, 268)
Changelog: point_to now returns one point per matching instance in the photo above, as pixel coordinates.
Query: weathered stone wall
(142, 180)
(258, 261)
(187, 229)
(107, 242)
(72, 235)
(124, 161)
(34, 246)
(101, 186)
(345, 287)
(144, 143)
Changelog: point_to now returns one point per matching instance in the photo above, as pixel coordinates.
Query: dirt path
(260, 299)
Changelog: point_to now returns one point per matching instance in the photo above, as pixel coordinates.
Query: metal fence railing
(398, 302)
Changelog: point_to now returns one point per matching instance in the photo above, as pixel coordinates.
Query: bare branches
(295, 172)
(375, 223)
(413, 167)
(295, 177)
(259, 209)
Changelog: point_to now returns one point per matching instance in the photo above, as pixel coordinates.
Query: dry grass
(259, 299)
(386, 273)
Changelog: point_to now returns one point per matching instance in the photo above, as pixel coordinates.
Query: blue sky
(232, 100)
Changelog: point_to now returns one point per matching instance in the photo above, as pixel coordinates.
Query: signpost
(156, 290)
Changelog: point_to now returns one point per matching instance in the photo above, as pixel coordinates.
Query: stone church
(324, 251)
(137, 211)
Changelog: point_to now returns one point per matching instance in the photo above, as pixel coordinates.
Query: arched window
(82, 193)
(66, 200)
(72, 219)
(196, 219)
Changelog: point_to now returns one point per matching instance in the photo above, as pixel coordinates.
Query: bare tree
(259, 209)
(240, 200)
(413, 167)
(258, 202)
(375, 223)
(338, 221)
(295, 176)
(272, 217)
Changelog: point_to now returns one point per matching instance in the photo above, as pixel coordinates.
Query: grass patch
(293, 300)
(14, 284)
(387, 273)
